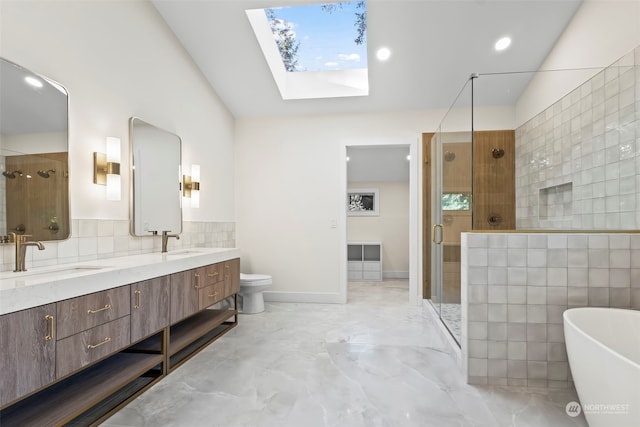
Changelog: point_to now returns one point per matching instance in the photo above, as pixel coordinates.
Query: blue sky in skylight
(326, 39)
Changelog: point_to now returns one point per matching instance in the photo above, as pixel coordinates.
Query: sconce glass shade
(114, 184)
(195, 173)
(195, 199)
(195, 190)
(113, 187)
(113, 150)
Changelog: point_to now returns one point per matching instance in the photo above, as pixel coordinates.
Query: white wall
(601, 32)
(118, 59)
(391, 227)
(290, 174)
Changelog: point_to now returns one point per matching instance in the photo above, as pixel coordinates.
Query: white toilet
(251, 287)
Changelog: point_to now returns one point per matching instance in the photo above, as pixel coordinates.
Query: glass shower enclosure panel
(452, 204)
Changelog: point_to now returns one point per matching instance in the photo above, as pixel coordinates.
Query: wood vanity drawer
(210, 295)
(85, 312)
(207, 276)
(80, 350)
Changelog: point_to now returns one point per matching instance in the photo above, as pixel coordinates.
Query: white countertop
(39, 286)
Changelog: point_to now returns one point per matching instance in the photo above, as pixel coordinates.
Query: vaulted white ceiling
(436, 45)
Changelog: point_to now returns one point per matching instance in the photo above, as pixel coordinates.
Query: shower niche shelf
(364, 260)
(556, 204)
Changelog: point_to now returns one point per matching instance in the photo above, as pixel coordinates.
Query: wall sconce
(191, 186)
(106, 168)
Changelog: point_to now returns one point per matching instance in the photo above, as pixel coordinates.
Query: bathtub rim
(566, 318)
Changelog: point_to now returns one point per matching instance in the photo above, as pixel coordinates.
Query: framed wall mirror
(156, 159)
(34, 185)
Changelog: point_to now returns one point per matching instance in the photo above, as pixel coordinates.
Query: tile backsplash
(93, 239)
(578, 162)
(515, 287)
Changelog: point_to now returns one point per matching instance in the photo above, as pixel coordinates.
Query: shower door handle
(434, 233)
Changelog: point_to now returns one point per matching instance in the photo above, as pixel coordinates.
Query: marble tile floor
(375, 361)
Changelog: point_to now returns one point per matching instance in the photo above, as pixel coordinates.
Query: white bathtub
(603, 346)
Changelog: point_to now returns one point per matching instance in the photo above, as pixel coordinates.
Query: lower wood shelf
(101, 388)
(192, 334)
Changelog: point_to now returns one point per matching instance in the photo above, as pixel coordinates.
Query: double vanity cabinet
(76, 361)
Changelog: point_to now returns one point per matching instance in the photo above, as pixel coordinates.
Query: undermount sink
(59, 271)
(184, 252)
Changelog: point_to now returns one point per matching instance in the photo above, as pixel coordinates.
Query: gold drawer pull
(91, 346)
(197, 286)
(49, 319)
(213, 295)
(106, 307)
(212, 274)
(137, 294)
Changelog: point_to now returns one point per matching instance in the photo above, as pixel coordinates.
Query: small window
(456, 201)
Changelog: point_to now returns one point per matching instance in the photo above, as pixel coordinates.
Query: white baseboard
(395, 274)
(304, 297)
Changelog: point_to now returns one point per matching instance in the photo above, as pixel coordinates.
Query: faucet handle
(20, 238)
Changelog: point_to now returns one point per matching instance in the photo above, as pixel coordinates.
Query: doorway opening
(381, 217)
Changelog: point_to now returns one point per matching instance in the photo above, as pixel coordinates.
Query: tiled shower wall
(515, 287)
(93, 239)
(578, 162)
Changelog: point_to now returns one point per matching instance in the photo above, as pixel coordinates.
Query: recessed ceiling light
(33, 81)
(383, 53)
(408, 156)
(348, 158)
(503, 43)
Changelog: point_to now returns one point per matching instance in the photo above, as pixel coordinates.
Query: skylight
(321, 37)
(315, 51)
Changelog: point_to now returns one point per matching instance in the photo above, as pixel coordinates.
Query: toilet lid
(253, 277)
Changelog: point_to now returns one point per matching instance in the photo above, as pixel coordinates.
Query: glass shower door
(454, 216)
(451, 207)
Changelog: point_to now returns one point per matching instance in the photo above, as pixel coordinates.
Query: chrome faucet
(165, 239)
(21, 249)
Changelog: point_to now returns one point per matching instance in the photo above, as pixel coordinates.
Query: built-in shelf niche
(556, 203)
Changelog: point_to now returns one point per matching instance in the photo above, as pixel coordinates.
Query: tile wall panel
(578, 162)
(515, 288)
